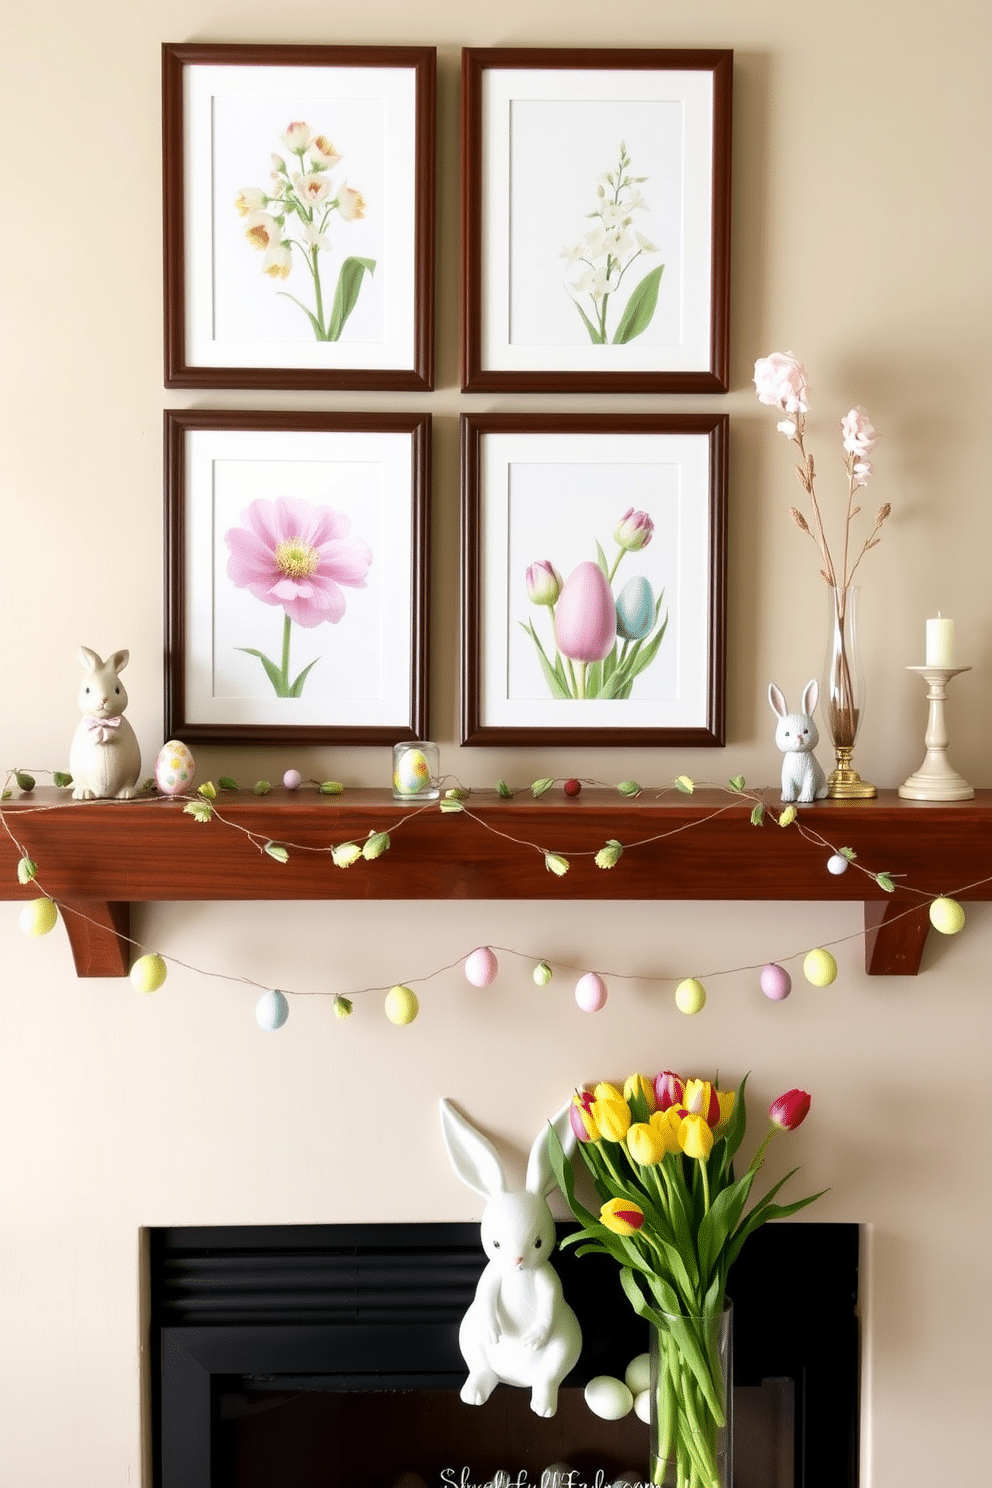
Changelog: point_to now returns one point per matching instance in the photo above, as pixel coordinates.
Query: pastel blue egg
(635, 609)
(271, 1011)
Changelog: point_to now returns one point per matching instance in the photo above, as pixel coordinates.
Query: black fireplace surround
(374, 1308)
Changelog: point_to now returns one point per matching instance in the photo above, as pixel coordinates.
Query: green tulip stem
(616, 564)
(287, 626)
(581, 680)
(706, 1187)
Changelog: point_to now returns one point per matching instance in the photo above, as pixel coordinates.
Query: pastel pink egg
(481, 967)
(776, 982)
(590, 992)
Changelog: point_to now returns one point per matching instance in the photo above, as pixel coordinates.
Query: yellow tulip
(646, 1144)
(621, 1216)
(612, 1117)
(605, 1091)
(727, 1099)
(639, 1089)
(695, 1137)
(666, 1124)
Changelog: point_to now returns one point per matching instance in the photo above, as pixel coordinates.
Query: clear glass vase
(692, 1435)
(843, 696)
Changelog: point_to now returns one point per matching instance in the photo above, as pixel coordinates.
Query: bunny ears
(811, 695)
(477, 1163)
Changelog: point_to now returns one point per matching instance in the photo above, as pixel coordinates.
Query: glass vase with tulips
(675, 1215)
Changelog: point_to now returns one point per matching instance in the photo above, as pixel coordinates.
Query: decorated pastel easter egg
(608, 1398)
(776, 982)
(38, 917)
(271, 1010)
(148, 973)
(174, 768)
(401, 1005)
(637, 1376)
(690, 996)
(481, 967)
(819, 968)
(590, 992)
(947, 916)
(412, 773)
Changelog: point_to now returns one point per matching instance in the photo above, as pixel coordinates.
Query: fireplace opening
(327, 1357)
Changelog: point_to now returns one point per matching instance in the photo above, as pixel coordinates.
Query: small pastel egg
(38, 916)
(412, 773)
(542, 974)
(292, 780)
(590, 992)
(175, 770)
(271, 1010)
(690, 996)
(819, 968)
(608, 1398)
(837, 863)
(481, 967)
(402, 1005)
(776, 983)
(148, 973)
(947, 916)
(642, 1406)
(637, 1375)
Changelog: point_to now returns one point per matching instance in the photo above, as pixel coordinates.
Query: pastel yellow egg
(947, 916)
(148, 973)
(690, 996)
(402, 1005)
(819, 968)
(38, 917)
(412, 773)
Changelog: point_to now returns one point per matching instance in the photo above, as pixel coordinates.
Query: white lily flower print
(290, 222)
(604, 255)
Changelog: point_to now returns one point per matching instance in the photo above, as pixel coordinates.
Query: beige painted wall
(861, 242)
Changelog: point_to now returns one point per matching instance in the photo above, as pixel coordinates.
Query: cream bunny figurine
(797, 736)
(519, 1329)
(104, 758)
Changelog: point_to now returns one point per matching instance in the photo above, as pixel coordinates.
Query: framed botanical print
(595, 220)
(296, 576)
(594, 579)
(298, 216)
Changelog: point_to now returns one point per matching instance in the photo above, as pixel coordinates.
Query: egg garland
(775, 981)
(946, 916)
(481, 967)
(819, 967)
(148, 973)
(271, 1011)
(402, 1005)
(38, 916)
(591, 992)
(690, 996)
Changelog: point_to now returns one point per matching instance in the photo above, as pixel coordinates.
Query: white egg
(271, 1011)
(638, 1374)
(642, 1406)
(608, 1397)
(175, 770)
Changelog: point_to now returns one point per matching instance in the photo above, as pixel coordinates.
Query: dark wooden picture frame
(202, 184)
(684, 301)
(535, 479)
(376, 469)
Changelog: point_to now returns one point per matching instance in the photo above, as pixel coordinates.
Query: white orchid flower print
(605, 254)
(289, 222)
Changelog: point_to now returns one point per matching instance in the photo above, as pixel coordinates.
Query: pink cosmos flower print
(291, 553)
(297, 555)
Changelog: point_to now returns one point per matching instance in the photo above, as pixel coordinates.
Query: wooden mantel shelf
(97, 858)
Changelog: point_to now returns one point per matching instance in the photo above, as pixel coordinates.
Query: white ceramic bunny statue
(519, 1329)
(104, 758)
(797, 736)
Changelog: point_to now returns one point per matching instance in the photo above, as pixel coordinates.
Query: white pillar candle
(940, 642)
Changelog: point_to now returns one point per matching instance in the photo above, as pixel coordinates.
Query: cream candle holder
(936, 779)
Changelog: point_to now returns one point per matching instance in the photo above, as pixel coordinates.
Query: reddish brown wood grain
(108, 854)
